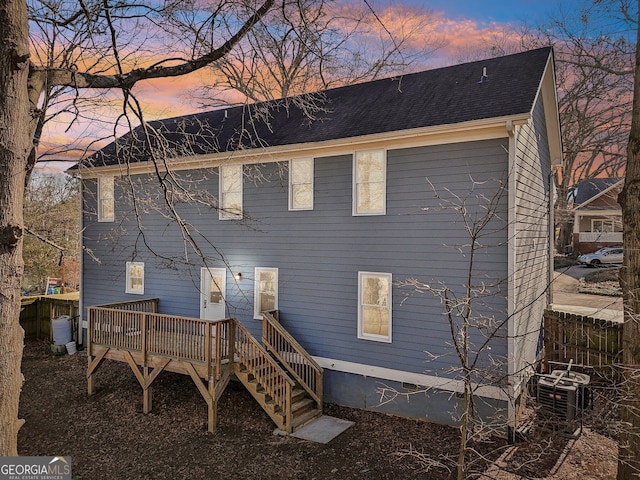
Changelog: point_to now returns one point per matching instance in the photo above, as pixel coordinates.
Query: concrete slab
(322, 430)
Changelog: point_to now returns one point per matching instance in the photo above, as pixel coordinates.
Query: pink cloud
(420, 28)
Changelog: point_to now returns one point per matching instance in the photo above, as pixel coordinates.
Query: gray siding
(320, 252)
(531, 272)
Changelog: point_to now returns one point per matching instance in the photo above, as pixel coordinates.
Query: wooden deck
(279, 373)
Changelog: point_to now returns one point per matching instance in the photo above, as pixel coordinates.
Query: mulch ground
(108, 436)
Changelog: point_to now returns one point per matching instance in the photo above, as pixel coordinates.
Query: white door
(213, 283)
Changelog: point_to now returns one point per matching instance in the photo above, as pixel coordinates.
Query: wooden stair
(303, 407)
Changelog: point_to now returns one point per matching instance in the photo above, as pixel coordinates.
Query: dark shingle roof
(442, 96)
(587, 189)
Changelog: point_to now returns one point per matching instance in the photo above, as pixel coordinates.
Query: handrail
(138, 328)
(293, 356)
(166, 335)
(144, 305)
(265, 370)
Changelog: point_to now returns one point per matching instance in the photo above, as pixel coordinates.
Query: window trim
(603, 221)
(292, 184)
(256, 290)
(361, 333)
(128, 287)
(102, 198)
(354, 186)
(222, 213)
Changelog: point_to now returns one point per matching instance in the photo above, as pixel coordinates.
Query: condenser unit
(563, 395)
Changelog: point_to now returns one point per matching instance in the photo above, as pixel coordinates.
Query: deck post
(207, 347)
(212, 407)
(146, 391)
(91, 383)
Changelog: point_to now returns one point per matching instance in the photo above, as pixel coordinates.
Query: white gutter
(434, 135)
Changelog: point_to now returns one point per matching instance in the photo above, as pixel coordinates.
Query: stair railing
(276, 382)
(293, 356)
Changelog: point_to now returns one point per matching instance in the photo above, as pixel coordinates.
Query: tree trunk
(563, 227)
(15, 145)
(629, 449)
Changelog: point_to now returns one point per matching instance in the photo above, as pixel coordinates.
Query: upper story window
(105, 199)
(370, 182)
(265, 292)
(230, 192)
(374, 306)
(135, 278)
(301, 184)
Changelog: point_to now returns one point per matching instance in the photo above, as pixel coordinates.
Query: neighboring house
(328, 220)
(597, 214)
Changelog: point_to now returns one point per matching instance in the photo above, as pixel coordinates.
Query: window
(230, 192)
(369, 183)
(105, 199)
(374, 306)
(135, 278)
(265, 292)
(301, 184)
(602, 226)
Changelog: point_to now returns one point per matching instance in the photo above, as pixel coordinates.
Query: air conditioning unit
(563, 395)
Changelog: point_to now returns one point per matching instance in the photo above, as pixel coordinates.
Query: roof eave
(473, 130)
(549, 94)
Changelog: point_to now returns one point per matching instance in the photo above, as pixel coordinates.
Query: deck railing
(277, 384)
(293, 356)
(135, 326)
(145, 305)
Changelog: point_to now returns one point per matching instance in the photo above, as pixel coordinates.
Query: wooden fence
(587, 340)
(37, 312)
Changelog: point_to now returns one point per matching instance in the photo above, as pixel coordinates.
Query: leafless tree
(475, 314)
(103, 46)
(62, 58)
(52, 202)
(593, 48)
(629, 442)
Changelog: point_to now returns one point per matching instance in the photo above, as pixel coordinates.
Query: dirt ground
(109, 437)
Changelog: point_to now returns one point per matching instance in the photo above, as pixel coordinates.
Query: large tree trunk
(629, 452)
(15, 145)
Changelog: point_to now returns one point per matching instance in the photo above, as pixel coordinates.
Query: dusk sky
(500, 11)
(462, 25)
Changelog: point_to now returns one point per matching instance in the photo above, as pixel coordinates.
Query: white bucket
(71, 347)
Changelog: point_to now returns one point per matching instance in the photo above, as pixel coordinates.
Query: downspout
(512, 131)
(82, 324)
(552, 230)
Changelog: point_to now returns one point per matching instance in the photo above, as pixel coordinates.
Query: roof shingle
(443, 96)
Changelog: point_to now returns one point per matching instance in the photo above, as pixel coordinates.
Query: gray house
(350, 227)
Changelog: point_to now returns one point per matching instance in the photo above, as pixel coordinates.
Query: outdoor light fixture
(238, 276)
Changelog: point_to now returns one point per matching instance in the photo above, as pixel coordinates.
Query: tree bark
(629, 446)
(15, 146)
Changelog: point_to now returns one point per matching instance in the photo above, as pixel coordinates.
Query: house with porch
(326, 257)
(597, 214)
